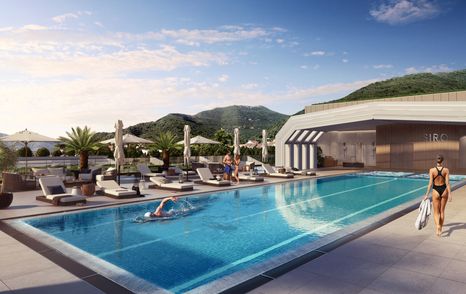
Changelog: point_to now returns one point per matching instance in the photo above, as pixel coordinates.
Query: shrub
(21, 152)
(42, 152)
(57, 152)
(7, 157)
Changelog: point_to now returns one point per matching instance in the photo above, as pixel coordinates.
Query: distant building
(403, 133)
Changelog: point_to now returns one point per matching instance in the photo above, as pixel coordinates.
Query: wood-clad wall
(406, 147)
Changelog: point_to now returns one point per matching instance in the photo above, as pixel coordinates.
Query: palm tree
(81, 141)
(166, 142)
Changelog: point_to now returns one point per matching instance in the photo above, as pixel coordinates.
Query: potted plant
(7, 160)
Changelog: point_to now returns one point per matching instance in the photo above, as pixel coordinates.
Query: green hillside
(250, 119)
(415, 84)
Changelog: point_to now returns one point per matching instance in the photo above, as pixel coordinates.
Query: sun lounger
(146, 172)
(250, 177)
(207, 178)
(271, 172)
(299, 172)
(55, 192)
(113, 190)
(167, 184)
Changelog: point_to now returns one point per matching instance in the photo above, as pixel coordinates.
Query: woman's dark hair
(439, 158)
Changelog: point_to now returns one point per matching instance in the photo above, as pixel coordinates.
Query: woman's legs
(436, 205)
(443, 204)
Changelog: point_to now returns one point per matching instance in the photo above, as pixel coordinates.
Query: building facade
(403, 133)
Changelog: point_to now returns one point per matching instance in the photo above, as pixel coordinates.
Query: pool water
(218, 234)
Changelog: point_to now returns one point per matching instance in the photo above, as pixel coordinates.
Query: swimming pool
(224, 234)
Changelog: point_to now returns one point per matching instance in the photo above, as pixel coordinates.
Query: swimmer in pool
(159, 210)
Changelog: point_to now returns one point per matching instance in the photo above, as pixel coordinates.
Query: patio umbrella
(27, 137)
(129, 139)
(118, 153)
(199, 140)
(265, 153)
(236, 147)
(187, 147)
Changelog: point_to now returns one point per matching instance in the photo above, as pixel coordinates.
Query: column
(297, 156)
(305, 152)
(289, 155)
(312, 156)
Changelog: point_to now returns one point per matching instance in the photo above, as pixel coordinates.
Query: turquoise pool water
(218, 234)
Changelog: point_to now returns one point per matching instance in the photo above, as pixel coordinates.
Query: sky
(74, 63)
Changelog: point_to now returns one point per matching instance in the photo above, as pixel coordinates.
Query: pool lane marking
(283, 243)
(103, 254)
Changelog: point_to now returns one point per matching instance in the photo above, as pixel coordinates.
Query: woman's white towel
(424, 213)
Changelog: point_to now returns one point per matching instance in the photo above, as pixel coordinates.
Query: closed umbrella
(265, 153)
(27, 137)
(119, 153)
(236, 147)
(187, 147)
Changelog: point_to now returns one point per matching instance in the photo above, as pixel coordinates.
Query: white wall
(359, 146)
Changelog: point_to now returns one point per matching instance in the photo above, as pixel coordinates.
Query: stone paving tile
(286, 283)
(4, 289)
(444, 286)
(371, 252)
(400, 281)
(369, 291)
(423, 263)
(346, 269)
(320, 284)
(438, 248)
(49, 281)
(455, 271)
(394, 240)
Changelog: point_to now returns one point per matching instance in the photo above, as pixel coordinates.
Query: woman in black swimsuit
(440, 183)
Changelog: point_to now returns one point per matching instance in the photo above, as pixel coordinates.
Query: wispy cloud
(316, 53)
(223, 78)
(397, 12)
(382, 66)
(60, 19)
(431, 69)
(345, 60)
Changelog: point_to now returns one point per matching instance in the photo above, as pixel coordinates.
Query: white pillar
(312, 155)
(297, 156)
(305, 161)
(289, 157)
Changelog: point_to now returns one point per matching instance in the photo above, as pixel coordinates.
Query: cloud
(197, 37)
(316, 53)
(303, 66)
(166, 58)
(431, 69)
(279, 41)
(344, 60)
(32, 27)
(223, 78)
(404, 11)
(60, 19)
(382, 66)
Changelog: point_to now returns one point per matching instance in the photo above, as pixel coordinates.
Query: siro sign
(435, 137)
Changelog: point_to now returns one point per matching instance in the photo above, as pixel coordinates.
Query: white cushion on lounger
(111, 187)
(171, 185)
(271, 172)
(206, 177)
(49, 181)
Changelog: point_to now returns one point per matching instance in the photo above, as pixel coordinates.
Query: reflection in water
(300, 205)
(118, 229)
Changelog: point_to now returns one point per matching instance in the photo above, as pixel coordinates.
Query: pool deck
(394, 258)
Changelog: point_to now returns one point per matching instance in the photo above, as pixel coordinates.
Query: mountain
(415, 84)
(250, 119)
(3, 135)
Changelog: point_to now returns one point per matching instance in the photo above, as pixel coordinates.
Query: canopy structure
(199, 140)
(27, 137)
(129, 139)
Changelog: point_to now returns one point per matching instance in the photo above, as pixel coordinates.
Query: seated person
(159, 210)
